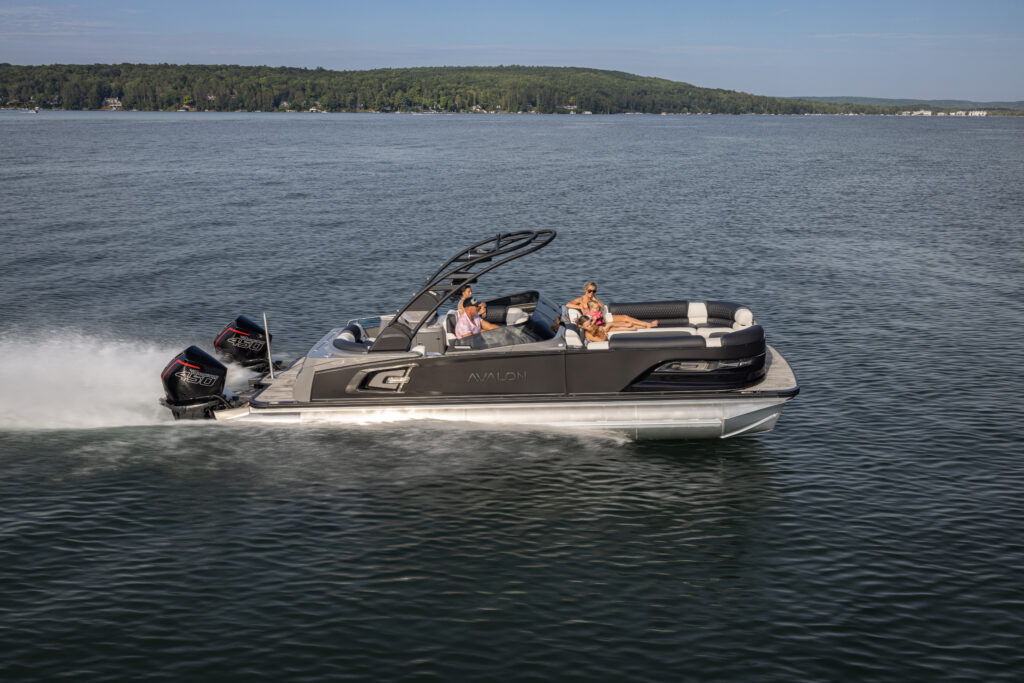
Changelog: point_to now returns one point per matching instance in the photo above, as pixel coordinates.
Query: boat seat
(733, 343)
(353, 333)
(352, 338)
(453, 343)
(450, 319)
(652, 310)
(678, 330)
(707, 322)
(655, 337)
(713, 335)
(516, 316)
(574, 338)
(698, 314)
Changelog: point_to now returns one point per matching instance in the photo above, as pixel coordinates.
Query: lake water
(877, 533)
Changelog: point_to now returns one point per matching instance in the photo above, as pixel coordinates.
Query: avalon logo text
(507, 376)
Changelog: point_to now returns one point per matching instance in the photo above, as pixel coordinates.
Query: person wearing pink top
(621, 322)
(470, 321)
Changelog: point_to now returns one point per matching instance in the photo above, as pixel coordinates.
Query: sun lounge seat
(716, 314)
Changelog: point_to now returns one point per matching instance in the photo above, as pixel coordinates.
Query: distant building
(926, 112)
(112, 103)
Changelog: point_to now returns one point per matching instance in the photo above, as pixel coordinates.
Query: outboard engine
(194, 384)
(244, 342)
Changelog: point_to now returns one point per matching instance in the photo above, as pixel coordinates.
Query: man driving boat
(471, 319)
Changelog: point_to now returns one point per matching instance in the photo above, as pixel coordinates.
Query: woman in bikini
(581, 303)
(590, 305)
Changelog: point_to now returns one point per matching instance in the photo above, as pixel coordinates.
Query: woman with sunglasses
(583, 304)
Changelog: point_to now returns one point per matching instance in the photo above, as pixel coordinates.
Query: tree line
(158, 87)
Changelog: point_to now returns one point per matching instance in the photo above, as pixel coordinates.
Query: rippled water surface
(878, 533)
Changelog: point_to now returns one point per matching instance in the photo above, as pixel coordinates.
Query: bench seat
(684, 324)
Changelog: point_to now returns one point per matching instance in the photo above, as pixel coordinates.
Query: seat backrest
(652, 310)
(449, 327)
(574, 336)
(516, 316)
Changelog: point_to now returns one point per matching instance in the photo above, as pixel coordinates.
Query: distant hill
(940, 104)
(440, 89)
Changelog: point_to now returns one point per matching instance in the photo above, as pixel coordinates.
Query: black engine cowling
(244, 342)
(194, 383)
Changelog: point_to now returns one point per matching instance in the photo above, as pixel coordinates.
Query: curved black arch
(464, 268)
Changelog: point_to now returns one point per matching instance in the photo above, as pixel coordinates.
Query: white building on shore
(927, 112)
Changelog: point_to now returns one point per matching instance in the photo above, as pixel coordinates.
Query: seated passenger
(466, 292)
(581, 303)
(591, 330)
(621, 322)
(470, 320)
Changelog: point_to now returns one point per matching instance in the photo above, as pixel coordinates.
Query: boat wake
(67, 381)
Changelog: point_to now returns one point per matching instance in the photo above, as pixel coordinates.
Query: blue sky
(969, 49)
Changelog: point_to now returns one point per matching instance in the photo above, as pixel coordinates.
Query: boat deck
(780, 376)
(282, 387)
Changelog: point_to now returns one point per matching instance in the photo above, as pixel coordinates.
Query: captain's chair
(450, 319)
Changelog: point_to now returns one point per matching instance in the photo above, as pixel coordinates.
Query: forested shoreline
(506, 89)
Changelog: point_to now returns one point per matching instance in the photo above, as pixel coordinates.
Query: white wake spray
(68, 381)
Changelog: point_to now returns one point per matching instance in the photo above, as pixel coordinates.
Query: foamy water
(61, 380)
